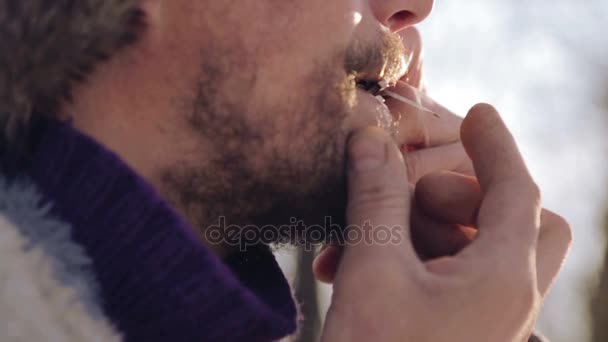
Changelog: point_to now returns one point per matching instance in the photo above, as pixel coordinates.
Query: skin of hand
(444, 209)
(441, 149)
(440, 135)
(490, 289)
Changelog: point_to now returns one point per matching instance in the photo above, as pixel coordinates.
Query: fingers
(509, 216)
(449, 197)
(435, 127)
(326, 263)
(443, 129)
(445, 204)
(434, 239)
(553, 245)
(452, 198)
(378, 198)
(451, 157)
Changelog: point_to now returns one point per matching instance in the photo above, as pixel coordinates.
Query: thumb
(379, 199)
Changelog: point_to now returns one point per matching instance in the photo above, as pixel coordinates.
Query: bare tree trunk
(599, 304)
(306, 294)
(599, 299)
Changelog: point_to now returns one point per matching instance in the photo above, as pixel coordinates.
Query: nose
(400, 14)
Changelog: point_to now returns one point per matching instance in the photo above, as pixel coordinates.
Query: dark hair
(45, 47)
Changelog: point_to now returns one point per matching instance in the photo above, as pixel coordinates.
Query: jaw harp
(381, 90)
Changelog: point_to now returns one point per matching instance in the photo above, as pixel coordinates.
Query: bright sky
(541, 63)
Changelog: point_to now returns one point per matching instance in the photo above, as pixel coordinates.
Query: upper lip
(378, 75)
(391, 71)
(383, 70)
(372, 79)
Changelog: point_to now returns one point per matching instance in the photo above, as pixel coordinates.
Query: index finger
(435, 126)
(509, 217)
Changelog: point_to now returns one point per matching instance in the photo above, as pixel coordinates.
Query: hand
(437, 139)
(439, 148)
(490, 291)
(444, 218)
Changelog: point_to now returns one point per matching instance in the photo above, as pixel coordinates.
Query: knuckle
(563, 231)
(483, 108)
(559, 229)
(563, 228)
(535, 192)
(531, 190)
(378, 195)
(519, 287)
(381, 187)
(527, 189)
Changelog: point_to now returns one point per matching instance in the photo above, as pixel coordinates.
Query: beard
(277, 167)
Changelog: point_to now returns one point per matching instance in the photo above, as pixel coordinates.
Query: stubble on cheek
(269, 161)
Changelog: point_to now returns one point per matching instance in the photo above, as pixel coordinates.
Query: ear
(155, 13)
(152, 10)
(50, 45)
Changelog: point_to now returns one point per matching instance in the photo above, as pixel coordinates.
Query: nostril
(401, 19)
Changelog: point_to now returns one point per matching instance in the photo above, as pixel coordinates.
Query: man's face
(241, 109)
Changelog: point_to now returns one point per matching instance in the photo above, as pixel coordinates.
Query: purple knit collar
(157, 281)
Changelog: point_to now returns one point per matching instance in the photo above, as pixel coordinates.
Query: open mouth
(382, 89)
(373, 87)
(371, 92)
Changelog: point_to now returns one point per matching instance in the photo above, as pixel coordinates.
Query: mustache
(380, 59)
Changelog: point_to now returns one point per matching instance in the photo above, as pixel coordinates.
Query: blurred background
(544, 65)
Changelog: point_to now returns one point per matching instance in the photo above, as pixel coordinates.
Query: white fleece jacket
(39, 299)
(34, 305)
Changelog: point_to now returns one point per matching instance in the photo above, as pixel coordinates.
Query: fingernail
(367, 151)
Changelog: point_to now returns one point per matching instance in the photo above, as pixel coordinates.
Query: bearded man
(130, 127)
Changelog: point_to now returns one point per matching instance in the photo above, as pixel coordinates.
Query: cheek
(306, 133)
(291, 41)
